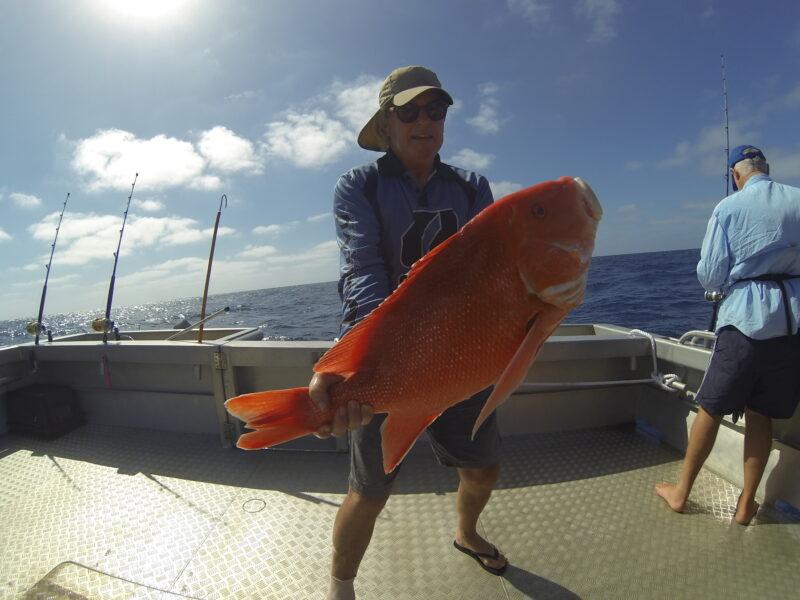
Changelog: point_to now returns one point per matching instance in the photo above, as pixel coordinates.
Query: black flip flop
(479, 555)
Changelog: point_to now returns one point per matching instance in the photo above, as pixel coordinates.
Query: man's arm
(715, 258)
(364, 283)
(364, 275)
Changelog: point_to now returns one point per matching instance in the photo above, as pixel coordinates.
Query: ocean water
(654, 291)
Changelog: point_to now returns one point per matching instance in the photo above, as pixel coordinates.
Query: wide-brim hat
(400, 87)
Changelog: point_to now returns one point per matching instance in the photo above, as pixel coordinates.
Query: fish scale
(473, 312)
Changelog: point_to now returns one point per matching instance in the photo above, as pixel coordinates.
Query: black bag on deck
(44, 410)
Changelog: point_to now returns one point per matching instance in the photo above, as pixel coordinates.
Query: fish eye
(538, 212)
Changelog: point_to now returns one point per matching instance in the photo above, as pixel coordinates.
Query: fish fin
(398, 434)
(348, 353)
(517, 368)
(277, 416)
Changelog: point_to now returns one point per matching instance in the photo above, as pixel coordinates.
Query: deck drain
(254, 505)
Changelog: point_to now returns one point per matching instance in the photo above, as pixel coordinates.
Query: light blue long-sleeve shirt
(751, 233)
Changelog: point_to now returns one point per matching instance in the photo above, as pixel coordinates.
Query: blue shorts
(762, 375)
(450, 439)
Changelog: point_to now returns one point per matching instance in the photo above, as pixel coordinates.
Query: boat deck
(106, 513)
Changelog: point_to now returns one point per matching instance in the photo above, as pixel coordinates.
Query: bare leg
(474, 489)
(352, 532)
(757, 445)
(701, 441)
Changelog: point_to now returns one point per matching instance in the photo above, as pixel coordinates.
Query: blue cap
(741, 153)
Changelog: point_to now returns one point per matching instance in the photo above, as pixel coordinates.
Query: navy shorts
(762, 375)
(450, 439)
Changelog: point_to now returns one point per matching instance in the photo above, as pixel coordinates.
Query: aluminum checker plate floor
(112, 513)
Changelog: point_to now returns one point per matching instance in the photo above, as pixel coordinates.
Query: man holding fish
(445, 294)
(416, 202)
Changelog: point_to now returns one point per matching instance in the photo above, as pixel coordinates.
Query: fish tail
(276, 416)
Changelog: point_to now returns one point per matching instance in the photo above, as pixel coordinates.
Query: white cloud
(327, 251)
(469, 159)
(487, 119)
(307, 140)
(4, 237)
(226, 151)
(627, 208)
(602, 14)
(245, 95)
(149, 205)
(356, 102)
(25, 200)
(273, 229)
(537, 12)
(111, 158)
(321, 217)
(707, 149)
(504, 188)
(258, 251)
(85, 237)
(71, 279)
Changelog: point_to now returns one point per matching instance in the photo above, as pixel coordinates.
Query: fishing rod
(38, 327)
(715, 297)
(208, 271)
(727, 132)
(106, 324)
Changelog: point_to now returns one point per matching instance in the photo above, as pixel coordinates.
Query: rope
(669, 382)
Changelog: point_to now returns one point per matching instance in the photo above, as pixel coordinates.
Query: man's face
(418, 141)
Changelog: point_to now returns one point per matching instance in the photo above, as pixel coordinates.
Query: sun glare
(146, 10)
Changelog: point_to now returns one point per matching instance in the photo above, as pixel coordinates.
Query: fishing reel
(105, 326)
(714, 295)
(37, 329)
(102, 325)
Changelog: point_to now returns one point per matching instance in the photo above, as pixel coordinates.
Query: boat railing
(697, 337)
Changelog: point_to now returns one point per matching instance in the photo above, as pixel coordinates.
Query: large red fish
(473, 312)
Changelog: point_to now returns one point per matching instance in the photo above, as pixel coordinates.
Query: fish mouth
(589, 199)
(567, 294)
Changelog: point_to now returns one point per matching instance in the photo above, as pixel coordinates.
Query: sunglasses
(408, 113)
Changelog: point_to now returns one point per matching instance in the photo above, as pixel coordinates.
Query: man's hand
(352, 416)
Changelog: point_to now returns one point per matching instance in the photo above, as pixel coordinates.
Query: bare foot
(669, 492)
(745, 511)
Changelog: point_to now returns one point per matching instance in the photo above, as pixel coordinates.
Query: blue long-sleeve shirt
(379, 239)
(754, 232)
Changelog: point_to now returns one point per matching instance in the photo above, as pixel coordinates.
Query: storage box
(45, 410)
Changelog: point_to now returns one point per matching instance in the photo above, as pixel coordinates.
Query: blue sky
(262, 100)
